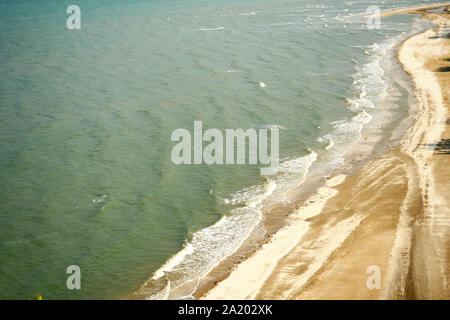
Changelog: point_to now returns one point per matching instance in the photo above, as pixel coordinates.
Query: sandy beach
(393, 213)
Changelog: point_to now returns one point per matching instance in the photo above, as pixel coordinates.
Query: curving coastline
(394, 213)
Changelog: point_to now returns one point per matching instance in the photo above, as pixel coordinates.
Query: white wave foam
(206, 249)
(330, 143)
(209, 246)
(174, 261)
(280, 24)
(369, 79)
(100, 200)
(298, 165)
(212, 29)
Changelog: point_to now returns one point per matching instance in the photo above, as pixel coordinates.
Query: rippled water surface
(86, 118)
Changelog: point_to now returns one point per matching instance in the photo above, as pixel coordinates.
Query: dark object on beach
(443, 147)
(447, 9)
(443, 69)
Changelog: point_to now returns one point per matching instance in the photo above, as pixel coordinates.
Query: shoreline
(389, 217)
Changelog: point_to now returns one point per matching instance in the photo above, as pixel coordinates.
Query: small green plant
(37, 296)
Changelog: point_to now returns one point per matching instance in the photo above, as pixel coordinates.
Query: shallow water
(86, 117)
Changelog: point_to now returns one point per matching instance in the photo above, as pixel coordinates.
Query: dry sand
(413, 10)
(394, 213)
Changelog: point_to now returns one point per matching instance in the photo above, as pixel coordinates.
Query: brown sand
(413, 10)
(394, 213)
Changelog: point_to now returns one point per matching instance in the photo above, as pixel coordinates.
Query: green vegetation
(37, 296)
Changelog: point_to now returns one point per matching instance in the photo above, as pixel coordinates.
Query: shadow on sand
(442, 147)
(443, 69)
(444, 36)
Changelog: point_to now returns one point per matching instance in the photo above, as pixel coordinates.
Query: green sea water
(86, 118)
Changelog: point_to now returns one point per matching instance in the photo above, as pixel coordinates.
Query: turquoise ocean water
(86, 117)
